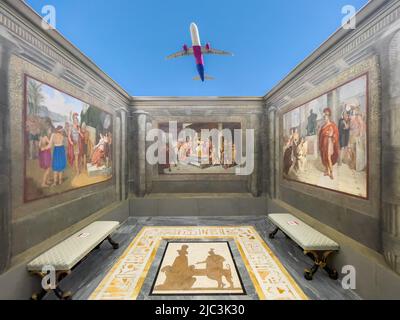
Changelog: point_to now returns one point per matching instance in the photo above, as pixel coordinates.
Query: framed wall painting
(325, 141)
(68, 143)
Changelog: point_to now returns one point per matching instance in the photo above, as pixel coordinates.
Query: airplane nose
(194, 32)
(193, 27)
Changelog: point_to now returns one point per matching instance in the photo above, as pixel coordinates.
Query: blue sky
(130, 39)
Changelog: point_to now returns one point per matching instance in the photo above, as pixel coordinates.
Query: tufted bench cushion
(65, 255)
(305, 236)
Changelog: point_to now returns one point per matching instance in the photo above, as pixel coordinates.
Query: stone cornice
(162, 102)
(25, 24)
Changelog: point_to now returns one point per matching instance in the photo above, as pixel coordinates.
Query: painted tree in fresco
(35, 97)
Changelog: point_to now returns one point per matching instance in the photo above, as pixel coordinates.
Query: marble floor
(90, 272)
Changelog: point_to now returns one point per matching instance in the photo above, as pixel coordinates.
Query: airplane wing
(182, 53)
(204, 50)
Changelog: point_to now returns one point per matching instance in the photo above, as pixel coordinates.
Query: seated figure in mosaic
(180, 274)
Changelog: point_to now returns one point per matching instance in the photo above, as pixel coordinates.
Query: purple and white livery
(198, 51)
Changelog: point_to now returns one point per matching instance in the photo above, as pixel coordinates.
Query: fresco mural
(201, 155)
(325, 140)
(68, 143)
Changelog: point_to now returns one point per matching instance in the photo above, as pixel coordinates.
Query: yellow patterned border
(270, 279)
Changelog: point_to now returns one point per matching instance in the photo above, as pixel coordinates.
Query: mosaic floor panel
(207, 263)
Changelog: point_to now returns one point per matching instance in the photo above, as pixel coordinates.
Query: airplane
(198, 51)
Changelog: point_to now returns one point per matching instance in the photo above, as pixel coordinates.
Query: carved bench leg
(333, 274)
(39, 295)
(273, 233)
(62, 295)
(114, 244)
(309, 273)
(320, 262)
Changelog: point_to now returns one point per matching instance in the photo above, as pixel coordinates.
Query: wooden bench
(67, 254)
(314, 244)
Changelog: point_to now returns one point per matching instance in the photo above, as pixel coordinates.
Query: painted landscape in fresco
(325, 140)
(195, 156)
(68, 143)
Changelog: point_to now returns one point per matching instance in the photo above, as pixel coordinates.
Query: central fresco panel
(198, 154)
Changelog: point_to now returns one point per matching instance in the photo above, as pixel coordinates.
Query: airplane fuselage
(198, 51)
(196, 44)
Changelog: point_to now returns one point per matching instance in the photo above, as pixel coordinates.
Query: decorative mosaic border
(270, 279)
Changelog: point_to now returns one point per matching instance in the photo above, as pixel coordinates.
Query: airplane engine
(185, 48)
(208, 46)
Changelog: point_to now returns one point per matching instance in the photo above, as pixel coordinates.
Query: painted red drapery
(329, 143)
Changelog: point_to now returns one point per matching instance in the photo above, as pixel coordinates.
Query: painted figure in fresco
(329, 143)
(214, 155)
(230, 157)
(288, 157)
(199, 149)
(180, 275)
(312, 124)
(87, 146)
(75, 151)
(300, 155)
(107, 149)
(99, 154)
(344, 135)
(45, 156)
(358, 139)
(222, 151)
(234, 163)
(164, 150)
(295, 136)
(59, 162)
(215, 269)
(183, 150)
(210, 151)
(227, 153)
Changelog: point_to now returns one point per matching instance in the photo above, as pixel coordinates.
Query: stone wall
(147, 113)
(373, 47)
(28, 49)
(390, 218)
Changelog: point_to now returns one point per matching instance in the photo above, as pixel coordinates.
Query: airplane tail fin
(206, 77)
